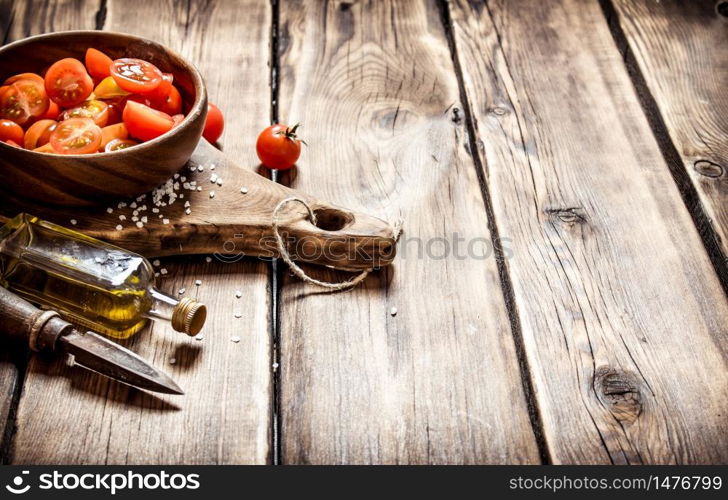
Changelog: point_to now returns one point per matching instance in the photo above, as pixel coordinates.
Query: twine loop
(343, 285)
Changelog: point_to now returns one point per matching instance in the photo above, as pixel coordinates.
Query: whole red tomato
(279, 147)
(214, 124)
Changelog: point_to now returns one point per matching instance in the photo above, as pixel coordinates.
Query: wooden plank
(66, 416)
(623, 318)
(374, 87)
(679, 48)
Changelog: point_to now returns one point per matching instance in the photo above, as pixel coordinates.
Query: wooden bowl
(75, 180)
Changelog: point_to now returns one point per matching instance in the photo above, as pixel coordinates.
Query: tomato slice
(45, 148)
(116, 108)
(22, 101)
(136, 75)
(76, 136)
(144, 122)
(11, 131)
(12, 143)
(109, 89)
(39, 133)
(118, 144)
(53, 111)
(98, 64)
(111, 132)
(24, 76)
(97, 110)
(67, 83)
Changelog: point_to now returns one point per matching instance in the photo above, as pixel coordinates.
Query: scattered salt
(139, 224)
(199, 336)
(244, 190)
(74, 221)
(198, 282)
(188, 211)
(219, 181)
(187, 204)
(200, 168)
(172, 361)
(165, 221)
(182, 291)
(212, 194)
(163, 270)
(144, 219)
(208, 259)
(213, 178)
(235, 339)
(122, 217)
(109, 210)
(393, 311)
(238, 293)
(119, 227)
(238, 315)
(156, 263)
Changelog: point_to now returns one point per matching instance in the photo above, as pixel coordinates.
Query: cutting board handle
(233, 220)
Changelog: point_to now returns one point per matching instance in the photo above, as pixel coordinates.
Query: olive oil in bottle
(94, 284)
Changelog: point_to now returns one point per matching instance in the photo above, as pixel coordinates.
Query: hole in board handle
(331, 219)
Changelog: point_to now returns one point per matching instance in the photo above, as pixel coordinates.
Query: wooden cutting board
(224, 220)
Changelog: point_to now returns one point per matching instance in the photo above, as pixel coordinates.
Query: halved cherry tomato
(24, 76)
(45, 148)
(111, 132)
(116, 108)
(97, 110)
(278, 146)
(39, 133)
(53, 111)
(117, 144)
(109, 89)
(12, 143)
(98, 64)
(214, 124)
(136, 75)
(11, 131)
(23, 100)
(144, 122)
(67, 83)
(76, 136)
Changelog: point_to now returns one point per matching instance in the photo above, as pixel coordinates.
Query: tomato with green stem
(279, 146)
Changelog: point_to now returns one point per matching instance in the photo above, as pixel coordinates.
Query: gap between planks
(651, 110)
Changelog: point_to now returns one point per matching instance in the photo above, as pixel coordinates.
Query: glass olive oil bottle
(94, 284)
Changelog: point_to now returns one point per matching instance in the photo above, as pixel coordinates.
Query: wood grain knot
(498, 111)
(619, 392)
(708, 168)
(344, 6)
(721, 8)
(456, 116)
(568, 215)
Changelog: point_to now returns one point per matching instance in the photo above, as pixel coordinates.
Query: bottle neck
(163, 306)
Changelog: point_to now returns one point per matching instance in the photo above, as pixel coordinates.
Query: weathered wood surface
(623, 318)
(67, 416)
(680, 48)
(374, 86)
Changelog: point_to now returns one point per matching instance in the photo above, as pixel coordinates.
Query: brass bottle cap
(189, 316)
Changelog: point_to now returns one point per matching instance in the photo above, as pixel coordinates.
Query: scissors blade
(98, 354)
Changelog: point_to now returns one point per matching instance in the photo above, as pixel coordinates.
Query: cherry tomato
(67, 83)
(279, 147)
(116, 108)
(144, 122)
(111, 132)
(23, 101)
(98, 64)
(12, 143)
(53, 111)
(97, 110)
(45, 148)
(214, 123)
(24, 76)
(136, 75)
(117, 144)
(39, 133)
(76, 136)
(11, 131)
(109, 89)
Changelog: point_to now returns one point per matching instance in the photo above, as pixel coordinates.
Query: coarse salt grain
(200, 168)
(165, 221)
(74, 221)
(198, 282)
(208, 259)
(155, 210)
(172, 361)
(139, 224)
(199, 336)
(238, 315)
(187, 204)
(219, 181)
(133, 204)
(163, 270)
(188, 211)
(212, 194)
(109, 210)
(235, 339)
(182, 291)
(244, 190)
(144, 219)
(393, 311)
(119, 227)
(238, 293)
(155, 262)
(199, 188)
(122, 217)
(213, 178)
